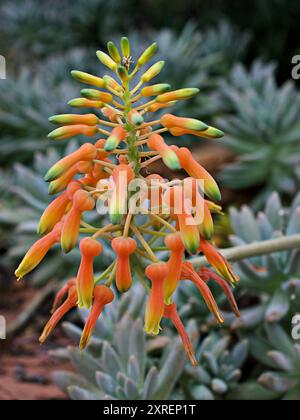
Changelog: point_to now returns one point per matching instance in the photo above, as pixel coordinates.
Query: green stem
(133, 154)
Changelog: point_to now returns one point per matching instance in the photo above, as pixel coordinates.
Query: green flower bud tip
(114, 52)
(122, 73)
(171, 160)
(125, 46)
(147, 54)
(106, 60)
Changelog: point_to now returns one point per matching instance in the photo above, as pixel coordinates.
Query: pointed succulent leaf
(150, 384)
(105, 382)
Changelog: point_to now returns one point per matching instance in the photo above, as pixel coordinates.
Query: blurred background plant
(262, 129)
(242, 66)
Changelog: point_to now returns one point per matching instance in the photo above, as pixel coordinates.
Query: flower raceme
(123, 142)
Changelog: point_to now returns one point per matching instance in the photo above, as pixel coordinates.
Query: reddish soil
(25, 366)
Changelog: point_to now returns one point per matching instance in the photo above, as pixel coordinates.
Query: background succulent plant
(271, 280)
(120, 363)
(262, 130)
(275, 349)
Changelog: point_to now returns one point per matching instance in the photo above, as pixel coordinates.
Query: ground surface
(25, 366)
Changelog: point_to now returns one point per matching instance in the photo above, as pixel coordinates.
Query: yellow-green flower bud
(152, 71)
(176, 95)
(87, 78)
(155, 89)
(147, 55)
(106, 60)
(122, 73)
(125, 46)
(114, 52)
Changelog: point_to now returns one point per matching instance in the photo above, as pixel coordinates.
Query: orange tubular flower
(177, 95)
(189, 273)
(123, 247)
(69, 303)
(62, 293)
(82, 201)
(174, 199)
(89, 249)
(195, 170)
(176, 247)
(86, 152)
(62, 182)
(169, 157)
(102, 296)
(155, 193)
(86, 103)
(135, 117)
(68, 131)
(96, 95)
(170, 121)
(206, 274)
(117, 135)
(122, 175)
(206, 228)
(170, 311)
(157, 273)
(218, 262)
(209, 133)
(38, 251)
(155, 89)
(71, 119)
(55, 211)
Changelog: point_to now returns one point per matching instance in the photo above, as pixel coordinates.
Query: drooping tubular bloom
(86, 152)
(118, 134)
(170, 311)
(174, 244)
(155, 89)
(68, 304)
(89, 248)
(143, 207)
(206, 275)
(59, 297)
(38, 251)
(122, 175)
(218, 262)
(68, 131)
(123, 247)
(189, 273)
(102, 296)
(59, 184)
(82, 201)
(169, 157)
(195, 170)
(157, 273)
(55, 211)
(71, 119)
(206, 228)
(135, 117)
(170, 121)
(209, 133)
(181, 208)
